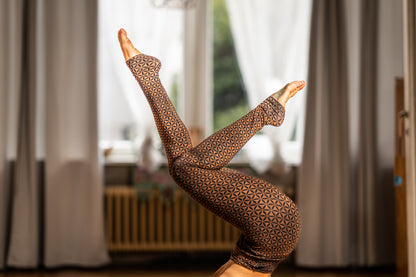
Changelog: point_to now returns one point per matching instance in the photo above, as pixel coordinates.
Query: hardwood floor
(184, 273)
(185, 265)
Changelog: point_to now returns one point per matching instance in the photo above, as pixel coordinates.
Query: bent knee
(179, 169)
(287, 229)
(280, 231)
(176, 168)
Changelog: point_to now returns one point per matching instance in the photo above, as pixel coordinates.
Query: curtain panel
(271, 40)
(52, 213)
(345, 186)
(121, 101)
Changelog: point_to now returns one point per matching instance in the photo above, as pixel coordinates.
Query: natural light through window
(126, 121)
(229, 95)
(256, 48)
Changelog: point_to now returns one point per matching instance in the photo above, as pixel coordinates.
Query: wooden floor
(183, 273)
(185, 265)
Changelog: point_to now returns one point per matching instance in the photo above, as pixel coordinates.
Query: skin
(229, 269)
(283, 95)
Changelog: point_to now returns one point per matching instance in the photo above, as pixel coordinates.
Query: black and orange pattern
(268, 219)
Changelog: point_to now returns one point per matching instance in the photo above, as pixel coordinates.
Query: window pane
(124, 113)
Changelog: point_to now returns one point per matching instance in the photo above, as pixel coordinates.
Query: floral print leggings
(268, 219)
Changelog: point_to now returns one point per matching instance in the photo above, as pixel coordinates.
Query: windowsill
(121, 164)
(123, 152)
(131, 160)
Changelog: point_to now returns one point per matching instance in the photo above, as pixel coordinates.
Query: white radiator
(154, 224)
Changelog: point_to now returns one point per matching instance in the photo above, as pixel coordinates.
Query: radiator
(154, 224)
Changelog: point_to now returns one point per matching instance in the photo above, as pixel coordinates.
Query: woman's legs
(268, 219)
(217, 150)
(174, 135)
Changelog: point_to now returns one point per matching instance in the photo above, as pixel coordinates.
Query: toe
(127, 47)
(123, 39)
(292, 86)
(300, 84)
(296, 85)
(122, 35)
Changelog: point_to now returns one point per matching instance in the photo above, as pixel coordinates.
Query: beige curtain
(74, 230)
(56, 210)
(24, 232)
(11, 20)
(324, 176)
(345, 190)
(409, 22)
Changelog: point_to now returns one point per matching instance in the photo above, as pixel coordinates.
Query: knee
(292, 223)
(174, 169)
(179, 169)
(287, 228)
(281, 227)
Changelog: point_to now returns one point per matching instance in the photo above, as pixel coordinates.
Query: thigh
(264, 214)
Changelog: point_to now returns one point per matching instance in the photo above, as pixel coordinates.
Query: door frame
(409, 34)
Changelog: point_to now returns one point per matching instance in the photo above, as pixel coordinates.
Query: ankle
(283, 99)
(282, 96)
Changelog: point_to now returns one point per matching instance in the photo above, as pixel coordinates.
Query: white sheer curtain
(53, 214)
(154, 31)
(272, 42)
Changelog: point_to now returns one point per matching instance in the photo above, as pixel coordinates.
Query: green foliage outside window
(230, 98)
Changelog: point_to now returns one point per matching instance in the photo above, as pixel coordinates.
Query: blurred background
(84, 184)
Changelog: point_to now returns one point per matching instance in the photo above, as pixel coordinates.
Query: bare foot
(288, 91)
(231, 269)
(126, 46)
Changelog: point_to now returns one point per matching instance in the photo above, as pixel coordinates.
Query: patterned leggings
(268, 219)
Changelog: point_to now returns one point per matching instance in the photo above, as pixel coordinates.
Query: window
(229, 95)
(125, 118)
